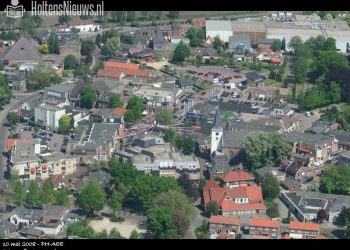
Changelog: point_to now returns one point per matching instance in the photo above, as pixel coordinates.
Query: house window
(217, 133)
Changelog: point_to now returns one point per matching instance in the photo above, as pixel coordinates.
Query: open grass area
(201, 85)
(271, 82)
(227, 114)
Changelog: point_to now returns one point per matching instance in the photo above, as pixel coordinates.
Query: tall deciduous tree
(54, 44)
(159, 221)
(164, 116)
(12, 118)
(115, 101)
(276, 45)
(335, 179)
(272, 211)
(174, 14)
(88, 97)
(33, 198)
(70, 62)
(270, 187)
(18, 193)
(62, 197)
(294, 42)
(92, 197)
(47, 195)
(212, 208)
(64, 124)
(181, 52)
(87, 47)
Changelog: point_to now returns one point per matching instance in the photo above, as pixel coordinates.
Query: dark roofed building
(184, 83)
(32, 233)
(7, 227)
(23, 51)
(254, 79)
(296, 171)
(219, 165)
(100, 176)
(103, 99)
(239, 41)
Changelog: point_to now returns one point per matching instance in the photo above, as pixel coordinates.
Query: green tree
(135, 235)
(4, 96)
(328, 17)
(262, 149)
(218, 44)
(112, 46)
(81, 71)
(114, 234)
(169, 135)
(164, 116)
(81, 229)
(33, 196)
(115, 101)
(98, 39)
(147, 187)
(70, 62)
(131, 15)
(88, 97)
(174, 14)
(12, 118)
(64, 18)
(48, 194)
(126, 39)
(18, 193)
(283, 44)
(270, 187)
(122, 173)
(276, 45)
(188, 186)
(159, 220)
(75, 30)
(92, 197)
(294, 42)
(212, 208)
(334, 92)
(181, 52)
(64, 124)
(116, 201)
(87, 47)
(329, 44)
(54, 44)
(43, 48)
(322, 215)
(347, 232)
(335, 179)
(29, 23)
(181, 207)
(135, 109)
(62, 197)
(272, 211)
(344, 216)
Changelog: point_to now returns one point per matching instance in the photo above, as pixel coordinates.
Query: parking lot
(52, 140)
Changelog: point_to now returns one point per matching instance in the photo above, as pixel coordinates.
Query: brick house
(263, 227)
(236, 178)
(243, 200)
(303, 230)
(219, 224)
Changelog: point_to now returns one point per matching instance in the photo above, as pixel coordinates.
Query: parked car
(327, 162)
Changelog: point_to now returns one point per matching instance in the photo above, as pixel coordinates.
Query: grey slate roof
(219, 163)
(6, 226)
(25, 152)
(54, 210)
(265, 41)
(101, 176)
(30, 214)
(105, 96)
(218, 25)
(236, 41)
(61, 88)
(31, 231)
(234, 139)
(253, 76)
(23, 50)
(307, 139)
(184, 82)
(342, 136)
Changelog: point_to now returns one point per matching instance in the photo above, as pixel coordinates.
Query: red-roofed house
(264, 227)
(218, 223)
(199, 23)
(236, 201)
(119, 70)
(225, 236)
(236, 177)
(119, 111)
(303, 230)
(267, 54)
(63, 27)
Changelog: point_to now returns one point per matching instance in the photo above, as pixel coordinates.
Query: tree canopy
(33, 198)
(164, 116)
(12, 118)
(270, 187)
(92, 197)
(70, 62)
(87, 47)
(262, 149)
(181, 52)
(64, 124)
(335, 179)
(88, 97)
(54, 44)
(115, 101)
(159, 222)
(135, 109)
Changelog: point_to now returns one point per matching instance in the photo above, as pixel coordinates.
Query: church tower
(217, 133)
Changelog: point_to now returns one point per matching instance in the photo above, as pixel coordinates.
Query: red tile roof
(210, 184)
(199, 22)
(225, 236)
(3, 50)
(308, 226)
(119, 111)
(225, 197)
(236, 176)
(77, 22)
(255, 222)
(119, 65)
(218, 219)
(321, 237)
(109, 73)
(56, 180)
(260, 237)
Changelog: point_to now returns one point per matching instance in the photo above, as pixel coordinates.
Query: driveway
(198, 219)
(306, 122)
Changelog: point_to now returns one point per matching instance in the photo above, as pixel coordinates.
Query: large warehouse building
(303, 27)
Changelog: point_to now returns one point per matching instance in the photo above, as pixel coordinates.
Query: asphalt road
(14, 103)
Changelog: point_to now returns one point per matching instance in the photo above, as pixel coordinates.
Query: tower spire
(217, 122)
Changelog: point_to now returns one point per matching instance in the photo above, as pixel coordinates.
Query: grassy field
(271, 82)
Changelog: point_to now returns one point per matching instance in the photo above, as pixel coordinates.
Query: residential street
(14, 103)
(195, 222)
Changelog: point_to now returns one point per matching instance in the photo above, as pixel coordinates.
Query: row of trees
(84, 230)
(5, 91)
(35, 198)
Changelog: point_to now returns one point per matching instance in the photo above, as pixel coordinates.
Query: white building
(223, 29)
(84, 25)
(217, 133)
(48, 115)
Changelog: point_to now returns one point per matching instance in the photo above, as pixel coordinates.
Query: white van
(308, 114)
(215, 80)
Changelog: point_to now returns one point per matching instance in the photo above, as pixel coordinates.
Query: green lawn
(271, 82)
